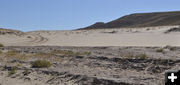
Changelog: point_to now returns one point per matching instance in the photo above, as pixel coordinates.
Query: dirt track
(38, 39)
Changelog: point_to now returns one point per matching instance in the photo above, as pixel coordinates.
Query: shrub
(160, 50)
(1, 52)
(165, 61)
(12, 71)
(41, 64)
(26, 72)
(1, 45)
(175, 29)
(170, 48)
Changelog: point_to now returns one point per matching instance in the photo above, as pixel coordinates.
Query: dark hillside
(141, 20)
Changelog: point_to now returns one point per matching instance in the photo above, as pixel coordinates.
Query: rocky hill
(141, 20)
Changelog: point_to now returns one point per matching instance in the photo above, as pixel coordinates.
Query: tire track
(37, 39)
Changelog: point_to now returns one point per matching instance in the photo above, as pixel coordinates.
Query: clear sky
(27, 15)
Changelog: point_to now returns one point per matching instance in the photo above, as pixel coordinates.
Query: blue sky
(28, 15)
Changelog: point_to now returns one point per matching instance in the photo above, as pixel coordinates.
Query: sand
(104, 66)
(148, 36)
(126, 56)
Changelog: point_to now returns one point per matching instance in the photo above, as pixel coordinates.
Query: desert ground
(147, 36)
(129, 56)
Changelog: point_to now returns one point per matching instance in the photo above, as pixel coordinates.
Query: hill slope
(4, 31)
(141, 20)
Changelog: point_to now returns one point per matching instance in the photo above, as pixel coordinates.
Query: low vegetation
(60, 52)
(70, 53)
(170, 48)
(141, 56)
(42, 55)
(160, 50)
(12, 71)
(175, 29)
(26, 72)
(1, 52)
(138, 56)
(16, 55)
(41, 64)
(11, 53)
(1, 45)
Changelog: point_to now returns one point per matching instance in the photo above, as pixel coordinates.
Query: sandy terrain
(149, 36)
(129, 56)
(103, 66)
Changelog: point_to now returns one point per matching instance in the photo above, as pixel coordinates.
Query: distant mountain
(141, 20)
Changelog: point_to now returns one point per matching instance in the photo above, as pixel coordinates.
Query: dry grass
(70, 53)
(141, 56)
(42, 55)
(11, 53)
(51, 56)
(138, 56)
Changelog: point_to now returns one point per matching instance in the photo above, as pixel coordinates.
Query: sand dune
(148, 36)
